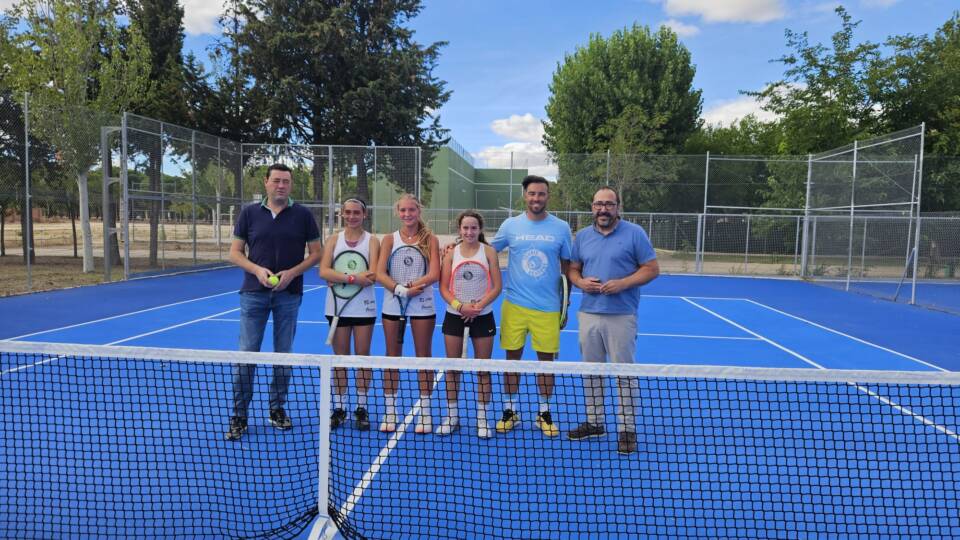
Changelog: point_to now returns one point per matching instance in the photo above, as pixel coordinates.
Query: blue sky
(501, 55)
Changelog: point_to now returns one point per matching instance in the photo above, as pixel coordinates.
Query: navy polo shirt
(275, 243)
(614, 256)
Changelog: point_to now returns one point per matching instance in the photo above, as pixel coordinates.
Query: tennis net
(127, 442)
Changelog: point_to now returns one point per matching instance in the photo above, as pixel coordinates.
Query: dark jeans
(255, 309)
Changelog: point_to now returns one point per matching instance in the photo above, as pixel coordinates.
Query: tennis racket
(564, 299)
(347, 262)
(469, 283)
(407, 264)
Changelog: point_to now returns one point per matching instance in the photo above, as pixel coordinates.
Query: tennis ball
(273, 281)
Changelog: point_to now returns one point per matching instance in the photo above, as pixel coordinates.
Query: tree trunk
(73, 226)
(363, 188)
(3, 226)
(114, 251)
(85, 222)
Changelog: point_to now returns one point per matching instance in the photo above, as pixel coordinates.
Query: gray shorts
(603, 336)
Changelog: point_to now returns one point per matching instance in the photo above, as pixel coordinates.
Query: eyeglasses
(609, 205)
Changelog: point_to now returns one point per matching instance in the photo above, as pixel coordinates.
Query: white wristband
(400, 291)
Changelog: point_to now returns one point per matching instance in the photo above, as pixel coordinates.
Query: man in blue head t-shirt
(611, 260)
(539, 246)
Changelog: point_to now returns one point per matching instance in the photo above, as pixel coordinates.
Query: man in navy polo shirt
(611, 260)
(274, 233)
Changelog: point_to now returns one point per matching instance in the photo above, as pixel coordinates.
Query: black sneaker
(361, 419)
(338, 418)
(280, 420)
(585, 430)
(237, 427)
(627, 443)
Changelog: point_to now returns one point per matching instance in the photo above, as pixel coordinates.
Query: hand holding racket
(469, 283)
(407, 264)
(352, 263)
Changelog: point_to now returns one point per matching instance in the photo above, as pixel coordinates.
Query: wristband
(400, 291)
(351, 278)
(456, 305)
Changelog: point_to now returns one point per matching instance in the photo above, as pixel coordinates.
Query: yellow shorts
(517, 321)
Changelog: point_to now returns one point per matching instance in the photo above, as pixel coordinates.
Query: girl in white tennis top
(421, 314)
(358, 315)
(478, 315)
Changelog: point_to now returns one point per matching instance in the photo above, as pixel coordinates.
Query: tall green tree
(351, 73)
(827, 97)
(633, 90)
(80, 69)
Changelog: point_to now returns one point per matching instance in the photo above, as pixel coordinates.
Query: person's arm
(589, 285)
(238, 256)
(314, 253)
(433, 271)
(501, 240)
(446, 269)
(368, 278)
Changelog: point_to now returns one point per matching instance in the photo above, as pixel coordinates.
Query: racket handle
(466, 341)
(333, 329)
(403, 330)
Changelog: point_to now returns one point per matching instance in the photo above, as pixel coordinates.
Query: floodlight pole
(28, 206)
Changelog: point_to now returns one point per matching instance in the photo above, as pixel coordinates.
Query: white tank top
(481, 257)
(363, 304)
(420, 305)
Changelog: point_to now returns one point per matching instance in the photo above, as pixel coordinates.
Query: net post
(324, 527)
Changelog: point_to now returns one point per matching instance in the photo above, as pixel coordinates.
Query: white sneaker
(389, 423)
(484, 432)
(448, 426)
(424, 424)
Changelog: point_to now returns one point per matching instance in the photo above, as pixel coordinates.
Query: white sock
(425, 406)
(337, 401)
(482, 415)
(453, 410)
(391, 404)
(544, 406)
(362, 401)
(508, 404)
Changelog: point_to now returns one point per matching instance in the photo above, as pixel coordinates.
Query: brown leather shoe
(627, 442)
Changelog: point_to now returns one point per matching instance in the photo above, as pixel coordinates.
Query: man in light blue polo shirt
(611, 260)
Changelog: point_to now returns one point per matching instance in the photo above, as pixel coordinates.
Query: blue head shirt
(535, 249)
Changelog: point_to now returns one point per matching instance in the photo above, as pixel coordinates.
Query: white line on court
(645, 334)
(900, 408)
(848, 336)
(374, 469)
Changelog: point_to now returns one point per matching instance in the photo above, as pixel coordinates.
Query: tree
(80, 71)
(633, 90)
(351, 74)
(827, 97)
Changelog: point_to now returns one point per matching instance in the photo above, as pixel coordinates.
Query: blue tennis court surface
(686, 470)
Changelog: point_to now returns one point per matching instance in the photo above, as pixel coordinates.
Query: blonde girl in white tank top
(473, 246)
(359, 316)
(421, 313)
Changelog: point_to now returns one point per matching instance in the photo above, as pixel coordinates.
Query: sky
(501, 55)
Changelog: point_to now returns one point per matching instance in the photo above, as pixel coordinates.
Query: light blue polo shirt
(613, 256)
(535, 248)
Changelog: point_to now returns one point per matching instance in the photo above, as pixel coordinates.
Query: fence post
(27, 203)
(332, 205)
(746, 247)
(125, 197)
(853, 201)
(193, 195)
(698, 254)
(916, 243)
(805, 239)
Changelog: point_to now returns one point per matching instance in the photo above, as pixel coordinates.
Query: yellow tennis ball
(273, 281)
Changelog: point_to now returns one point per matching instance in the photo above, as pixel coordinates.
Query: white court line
(848, 336)
(119, 341)
(131, 313)
(900, 408)
(375, 467)
(645, 334)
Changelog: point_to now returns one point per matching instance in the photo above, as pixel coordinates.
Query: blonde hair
(424, 234)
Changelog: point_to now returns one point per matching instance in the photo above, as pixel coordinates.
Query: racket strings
(470, 282)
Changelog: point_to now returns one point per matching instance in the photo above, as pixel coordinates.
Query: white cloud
(200, 16)
(682, 30)
(728, 111)
(526, 128)
(531, 156)
(756, 11)
(879, 3)
(6, 4)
